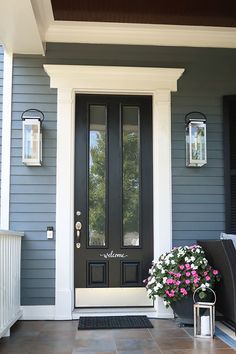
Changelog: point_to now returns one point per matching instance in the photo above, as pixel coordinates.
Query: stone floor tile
(135, 344)
(162, 332)
(139, 333)
(90, 345)
(95, 334)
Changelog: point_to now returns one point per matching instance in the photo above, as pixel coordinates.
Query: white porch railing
(10, 259)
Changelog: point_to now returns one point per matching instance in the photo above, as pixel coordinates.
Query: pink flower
(183, 291)
(187, 266)
(215, 272)
(177, 282)
(208, 278)
(194, 273)
(205, 273)
(187, 281)
(178, 275)
(169, 281)
(170, 293)
(197, 285)
(196, 280)
(181, 267)
(188, 274)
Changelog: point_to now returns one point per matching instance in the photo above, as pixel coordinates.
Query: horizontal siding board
(198, 189)
(37, 283)
(38, 254)
(200, 226)
(34, 189)
(198, 198)
(32, 208)
(201, 207)
(38, 273)
(29, 301)
(31, 198)
(34, 217)
(38, 264)
(198, 217)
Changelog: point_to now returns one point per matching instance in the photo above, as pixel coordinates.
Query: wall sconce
(196, 153)
(32, 137)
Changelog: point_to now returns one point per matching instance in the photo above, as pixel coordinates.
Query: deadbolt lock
(77, 244)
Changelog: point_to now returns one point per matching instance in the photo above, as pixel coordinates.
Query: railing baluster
(10, 260)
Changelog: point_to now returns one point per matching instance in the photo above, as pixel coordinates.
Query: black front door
(113, 196)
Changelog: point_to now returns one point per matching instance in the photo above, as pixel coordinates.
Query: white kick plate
(111, 297)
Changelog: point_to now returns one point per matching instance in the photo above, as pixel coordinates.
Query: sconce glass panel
(196, 154)
(31, 142)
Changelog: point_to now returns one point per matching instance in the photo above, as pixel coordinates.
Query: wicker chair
(221, 254)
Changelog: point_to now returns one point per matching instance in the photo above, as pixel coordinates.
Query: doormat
(114, 322)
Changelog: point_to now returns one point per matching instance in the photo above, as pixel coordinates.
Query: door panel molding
(69, 79)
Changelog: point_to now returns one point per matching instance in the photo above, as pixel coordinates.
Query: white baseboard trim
(5, 332)
(38, 312)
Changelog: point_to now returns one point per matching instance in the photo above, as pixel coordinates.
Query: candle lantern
(204, 316)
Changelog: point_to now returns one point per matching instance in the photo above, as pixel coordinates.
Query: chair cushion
(224, 236)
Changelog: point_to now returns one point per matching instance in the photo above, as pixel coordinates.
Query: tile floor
(62, 337)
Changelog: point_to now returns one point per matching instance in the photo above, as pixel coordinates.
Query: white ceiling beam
(19, 31)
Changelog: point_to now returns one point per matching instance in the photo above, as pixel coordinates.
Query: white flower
(149, 291)
(198, 250)
(164, 280)
(186, 259)
(167, 262)
(193, 258)
(172, 261)
(162, 271)
(151, 281)
(207, 285)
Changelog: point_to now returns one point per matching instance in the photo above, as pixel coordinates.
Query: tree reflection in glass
(131, 175)
(97, 175)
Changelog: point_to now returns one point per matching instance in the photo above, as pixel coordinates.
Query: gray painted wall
(1, 89)
(32, 193)
(198, 193)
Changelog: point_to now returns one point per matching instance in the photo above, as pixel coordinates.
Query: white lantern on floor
(32, 137)
(204, 317)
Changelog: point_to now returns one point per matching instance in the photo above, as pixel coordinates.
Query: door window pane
(97, 175)
(131, 176)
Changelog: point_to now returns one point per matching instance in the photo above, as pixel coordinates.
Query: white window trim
(69, 80)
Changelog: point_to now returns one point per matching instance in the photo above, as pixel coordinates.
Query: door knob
(78, 225)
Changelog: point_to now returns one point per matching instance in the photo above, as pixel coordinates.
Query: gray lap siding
(198, 193)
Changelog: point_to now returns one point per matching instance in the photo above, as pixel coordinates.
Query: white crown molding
(102, 78)
(141, 34)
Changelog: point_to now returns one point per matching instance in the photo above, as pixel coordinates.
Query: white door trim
(69, 79)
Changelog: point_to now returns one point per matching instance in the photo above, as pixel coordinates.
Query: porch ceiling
(26, 25)
(172, 12)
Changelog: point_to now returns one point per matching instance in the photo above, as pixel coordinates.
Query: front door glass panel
(131, 175)
(97, 175)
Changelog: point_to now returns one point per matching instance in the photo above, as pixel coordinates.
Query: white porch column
(65, 205)
(6, 139)
(162, 186)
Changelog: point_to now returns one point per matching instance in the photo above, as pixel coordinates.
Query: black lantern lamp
(32, 137)
(196, 152)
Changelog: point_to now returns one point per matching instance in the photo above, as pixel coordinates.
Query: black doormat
(114, 322)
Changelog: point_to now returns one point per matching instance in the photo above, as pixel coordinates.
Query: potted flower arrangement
(177, 274)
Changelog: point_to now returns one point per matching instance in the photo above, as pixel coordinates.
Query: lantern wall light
(195, 130)
(32, 137)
